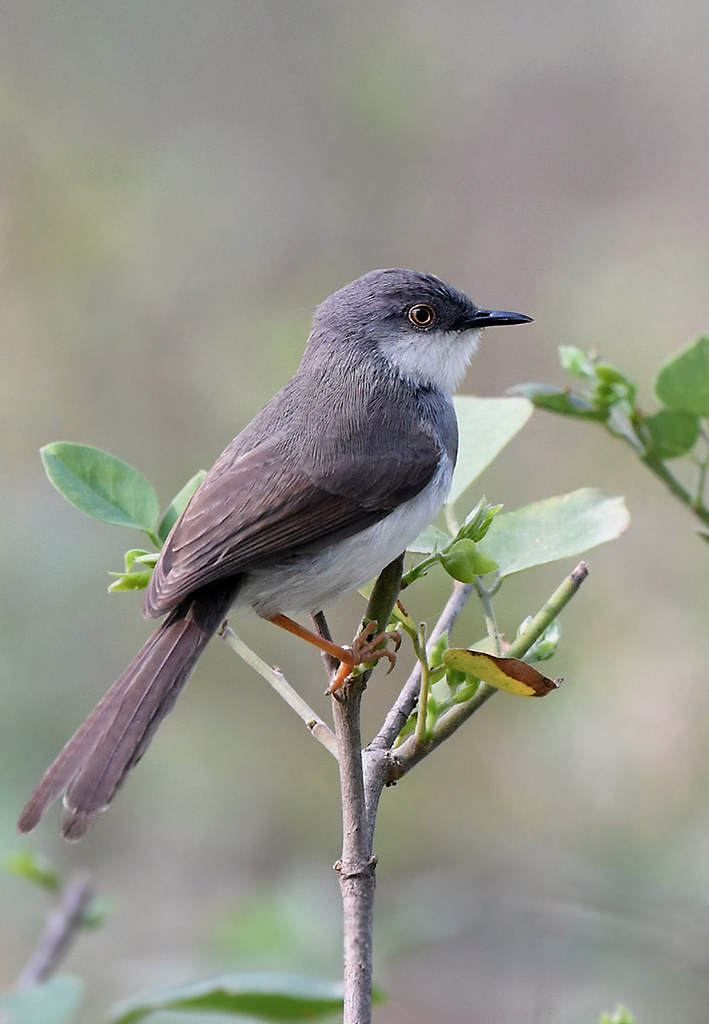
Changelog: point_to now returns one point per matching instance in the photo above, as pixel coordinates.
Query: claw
(366, 648)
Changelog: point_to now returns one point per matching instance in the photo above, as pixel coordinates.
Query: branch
(412, 751)
(406, 701)
(61, 929)
(275, 678)
(356, 866)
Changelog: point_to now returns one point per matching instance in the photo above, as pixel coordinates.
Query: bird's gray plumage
(328, 483)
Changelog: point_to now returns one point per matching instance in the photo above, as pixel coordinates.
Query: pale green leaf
(54, 1002)
(101, 485)
(429, 540)
(485, 425)
(558, 527)
(683, 379)
(672, 432)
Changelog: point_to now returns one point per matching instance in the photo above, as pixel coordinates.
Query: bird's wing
(257, 507)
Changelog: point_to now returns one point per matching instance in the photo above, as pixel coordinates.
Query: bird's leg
(365, 647)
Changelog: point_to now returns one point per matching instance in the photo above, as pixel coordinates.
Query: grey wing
(256, 507)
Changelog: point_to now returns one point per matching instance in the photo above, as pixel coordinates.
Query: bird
(331, 481)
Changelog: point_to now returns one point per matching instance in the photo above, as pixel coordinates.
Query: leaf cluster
(607, 395)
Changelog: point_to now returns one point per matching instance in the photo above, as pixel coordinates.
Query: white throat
(439, 358)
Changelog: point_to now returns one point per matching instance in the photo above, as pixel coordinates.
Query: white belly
(314, 581)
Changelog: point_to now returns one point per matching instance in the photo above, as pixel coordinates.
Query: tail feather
(114, 737)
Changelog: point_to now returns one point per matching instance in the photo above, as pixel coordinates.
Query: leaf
(621, 1015)
(53, 1002)
(672, 432)
(271, 997)
(464, 562)
(683, 380)
(558, 527)
(129, 581)
(508, 674)
(429, 540)
(560, 400)
(486, 425)
(131, 578)
(576, 362)
(101, 485)
(35, 869)
(179, 503)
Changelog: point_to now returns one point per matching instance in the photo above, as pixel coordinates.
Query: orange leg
(364, 648)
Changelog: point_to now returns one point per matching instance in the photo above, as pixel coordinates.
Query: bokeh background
(181, 183)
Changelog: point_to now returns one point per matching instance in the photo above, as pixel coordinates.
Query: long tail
(114, 737)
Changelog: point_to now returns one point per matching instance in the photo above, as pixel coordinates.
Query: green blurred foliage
(181, 184)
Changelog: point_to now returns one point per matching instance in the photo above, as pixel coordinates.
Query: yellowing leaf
(509, 674)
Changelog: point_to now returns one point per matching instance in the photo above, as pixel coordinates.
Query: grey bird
(327, 484)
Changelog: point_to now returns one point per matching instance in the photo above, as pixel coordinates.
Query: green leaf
(576, 362)
(546, 646)
(179, 504)
(129, 581)
(101, 485)
(131, 578)
(560, 400)
(35, 869)
(429, 540)
(683, 380)
(464, 562)
(621, 1015)
(53, 1002)
(486, 425)
(558, 527)
(271, 997)
(671, 433)
(479, 520)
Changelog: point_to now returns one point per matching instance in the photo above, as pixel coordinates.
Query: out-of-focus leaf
(672, 432)
(27, 864)
(179, 504)
(560, 400)
(486, 425)
(54, 1002)
(621, 1015)
(270, 997)
(101, 485)
(508, 674)
(554, 528)
(576, 362)
(683, 380)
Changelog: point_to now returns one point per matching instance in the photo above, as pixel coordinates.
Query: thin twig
(422, 657)
(485, 596)
(61, 929)
(411, 752)
(275, 678)
(406, 701)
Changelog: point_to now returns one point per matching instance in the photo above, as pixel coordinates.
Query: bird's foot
(370, 646)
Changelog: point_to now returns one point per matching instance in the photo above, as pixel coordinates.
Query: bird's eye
(422, 315)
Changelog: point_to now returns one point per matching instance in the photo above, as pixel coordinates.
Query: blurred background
(181, 184)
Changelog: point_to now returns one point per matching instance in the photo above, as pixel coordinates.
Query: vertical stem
(422, 655)
(357, 866)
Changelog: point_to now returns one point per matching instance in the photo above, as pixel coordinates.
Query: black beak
(495, 318)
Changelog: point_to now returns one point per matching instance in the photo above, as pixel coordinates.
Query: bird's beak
(496, 318)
